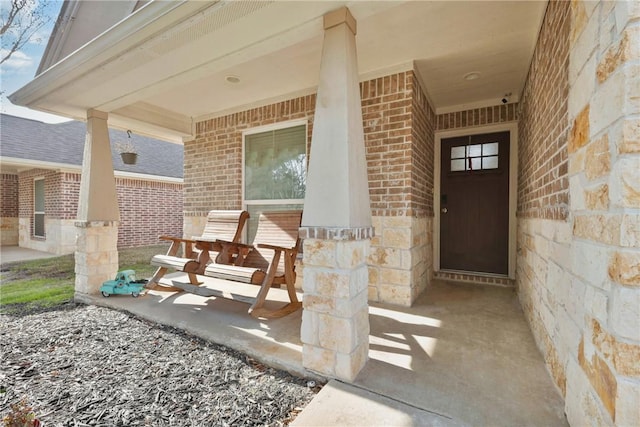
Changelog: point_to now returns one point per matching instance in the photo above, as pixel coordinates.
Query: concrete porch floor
(16, 253)
(462, 355)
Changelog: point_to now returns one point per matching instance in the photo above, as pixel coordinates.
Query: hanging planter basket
(127, 151)
(129, 158)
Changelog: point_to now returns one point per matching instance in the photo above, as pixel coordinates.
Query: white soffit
(172, 70)
(445, 39)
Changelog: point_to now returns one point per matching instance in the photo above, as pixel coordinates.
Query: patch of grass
(59, 267)
(34, 285)
(138, 259)
(45, 292)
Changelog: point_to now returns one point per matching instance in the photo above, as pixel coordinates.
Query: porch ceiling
(165, 66)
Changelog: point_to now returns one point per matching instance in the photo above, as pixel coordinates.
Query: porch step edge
(476, 278)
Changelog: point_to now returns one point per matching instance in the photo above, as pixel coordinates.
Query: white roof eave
(122, 37)
(25, 164)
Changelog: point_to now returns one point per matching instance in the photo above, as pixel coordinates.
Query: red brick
(544, 128)
(148, 209)
(399, 124)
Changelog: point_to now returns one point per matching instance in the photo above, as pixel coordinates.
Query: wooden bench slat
(221, 224)
(169, 261)
(262, 265)
(230, 272)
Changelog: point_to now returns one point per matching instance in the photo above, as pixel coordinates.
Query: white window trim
(267, 128)
(273, 126)
(35, 212)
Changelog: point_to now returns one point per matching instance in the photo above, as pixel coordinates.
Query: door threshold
(475, 277)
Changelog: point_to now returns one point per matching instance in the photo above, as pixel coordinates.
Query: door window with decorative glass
(275, 171)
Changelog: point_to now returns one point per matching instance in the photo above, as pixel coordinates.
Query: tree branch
(20, 24)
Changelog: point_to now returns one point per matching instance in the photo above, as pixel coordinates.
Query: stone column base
(96, 256)
(335, 320)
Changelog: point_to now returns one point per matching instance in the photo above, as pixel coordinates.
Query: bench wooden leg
(154, 282)
(257, 308)
(193, 279)
(290, 280)
(261, 312)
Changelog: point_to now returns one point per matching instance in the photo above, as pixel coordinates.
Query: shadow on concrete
(462, 355)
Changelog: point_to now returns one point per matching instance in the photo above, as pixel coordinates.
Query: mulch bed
(93, 366)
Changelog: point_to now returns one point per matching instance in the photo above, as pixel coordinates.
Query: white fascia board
(141, 25)
(59, 36)
(146, 177)
(62, 167)
(38, 164)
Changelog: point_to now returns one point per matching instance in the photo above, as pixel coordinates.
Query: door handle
(444, 210)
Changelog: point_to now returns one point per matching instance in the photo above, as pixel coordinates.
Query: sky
(21, 68)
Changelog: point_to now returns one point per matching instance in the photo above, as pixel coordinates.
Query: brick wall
(213, 160)
(397, 153)
(400, 159)
(69, 193)
(478, 117)
(542, 189)
(25, 185)
(423, 122)
(398, 130)
(148, 209)
(387, 114)
(543, 183)
(9, 209)
(9, 196)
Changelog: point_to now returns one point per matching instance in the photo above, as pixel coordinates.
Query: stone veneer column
(603, 371)
(335, 320)
(336, 223)
(96, 256)
(98, 214)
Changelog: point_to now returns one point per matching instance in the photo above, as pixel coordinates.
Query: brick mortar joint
(337, 233)
(92, 224)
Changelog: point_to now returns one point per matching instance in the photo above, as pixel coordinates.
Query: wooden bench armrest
(207, 245)
(236, 244)
(203, 239)
(176, 239)
(229, 252)
(216, 245)
(175, 245)
(234, 252)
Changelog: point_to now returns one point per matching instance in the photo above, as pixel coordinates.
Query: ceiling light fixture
(474, 75)
(232, 79)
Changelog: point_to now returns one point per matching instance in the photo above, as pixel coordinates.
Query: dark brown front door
(474, 203)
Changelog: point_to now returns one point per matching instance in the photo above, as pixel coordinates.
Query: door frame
(512, 128)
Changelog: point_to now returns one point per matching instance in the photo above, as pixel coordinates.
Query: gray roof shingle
(64, 143)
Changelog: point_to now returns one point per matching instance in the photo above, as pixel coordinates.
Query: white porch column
(98, 214)
(336, 224)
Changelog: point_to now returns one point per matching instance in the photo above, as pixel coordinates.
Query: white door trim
(512, 127)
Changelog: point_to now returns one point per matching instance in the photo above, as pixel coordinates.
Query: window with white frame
(275, 170)
(38, 207)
